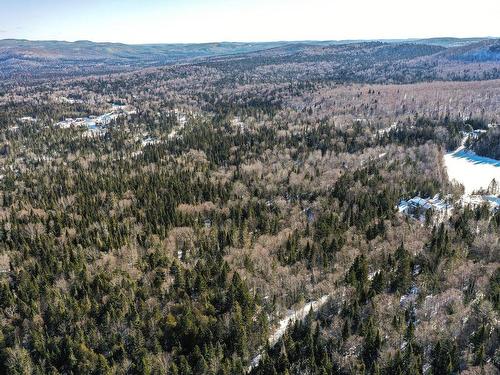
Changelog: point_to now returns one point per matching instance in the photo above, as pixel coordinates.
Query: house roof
(420, 202)
(493, 199)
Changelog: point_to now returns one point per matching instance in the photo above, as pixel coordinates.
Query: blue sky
(165, 21)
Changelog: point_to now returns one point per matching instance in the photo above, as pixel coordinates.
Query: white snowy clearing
(473, 171)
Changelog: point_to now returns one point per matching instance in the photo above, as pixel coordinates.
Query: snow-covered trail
(473, 171)
(291, 317)
(294, 316)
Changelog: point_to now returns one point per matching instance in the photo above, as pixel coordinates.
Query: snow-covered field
(473, 171)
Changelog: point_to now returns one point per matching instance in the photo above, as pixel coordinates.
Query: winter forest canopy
(242, 213)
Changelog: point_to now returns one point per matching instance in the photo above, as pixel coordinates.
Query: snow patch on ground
(473, 171)
(291, 317)
(294, 316)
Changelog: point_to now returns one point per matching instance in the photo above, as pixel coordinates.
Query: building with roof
(475, 201)
(418, 208)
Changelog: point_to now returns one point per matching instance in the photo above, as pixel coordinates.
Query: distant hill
(86, 50)
(364, 62)
(450, 42)
(483, 51)
(24, 59)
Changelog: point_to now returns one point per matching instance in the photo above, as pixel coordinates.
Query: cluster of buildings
(474, 201)
(96, 124)
(441, 209)
(475, 134)
(418, 208)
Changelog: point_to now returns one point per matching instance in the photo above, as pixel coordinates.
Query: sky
(195, 21)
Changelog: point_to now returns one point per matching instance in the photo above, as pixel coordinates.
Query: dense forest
(488, 144)
(174, 238)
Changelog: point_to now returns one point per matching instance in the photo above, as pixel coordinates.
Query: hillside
(344, 60)
(54, 58)
(483, 51)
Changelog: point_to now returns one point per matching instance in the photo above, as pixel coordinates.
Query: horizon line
(252, 42)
